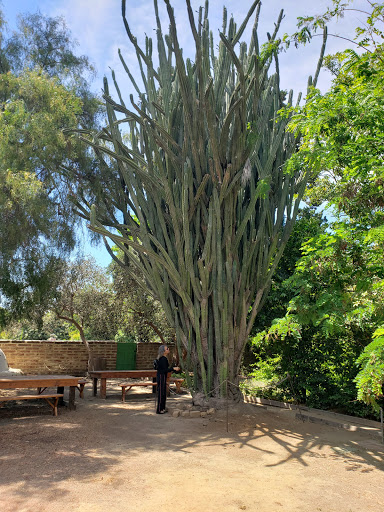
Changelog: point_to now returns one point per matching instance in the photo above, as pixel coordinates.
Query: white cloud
(98, 26)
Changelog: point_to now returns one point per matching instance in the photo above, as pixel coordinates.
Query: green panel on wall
(126, 356)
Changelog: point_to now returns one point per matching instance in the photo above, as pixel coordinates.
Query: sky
(98, 28)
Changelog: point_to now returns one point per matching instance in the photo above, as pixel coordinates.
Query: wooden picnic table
(103, 375)
(42, 382)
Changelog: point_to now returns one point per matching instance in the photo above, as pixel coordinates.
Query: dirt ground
(108, 456)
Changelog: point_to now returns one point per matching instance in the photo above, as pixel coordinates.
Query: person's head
(163, 351)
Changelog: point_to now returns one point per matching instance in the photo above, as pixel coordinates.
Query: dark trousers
(161, 391)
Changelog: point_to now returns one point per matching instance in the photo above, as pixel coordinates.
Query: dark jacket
(163, 366)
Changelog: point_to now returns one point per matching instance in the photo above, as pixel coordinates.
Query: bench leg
(124, 391)
(53, 405)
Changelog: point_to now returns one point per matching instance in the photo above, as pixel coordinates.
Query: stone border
(333, 419)
(350, 426)
(191, 411)
(274, 403)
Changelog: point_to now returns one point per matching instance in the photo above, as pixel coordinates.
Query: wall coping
(79, 341)
(56, 341)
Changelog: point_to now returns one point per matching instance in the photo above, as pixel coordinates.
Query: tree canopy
(83, 297)
(42, 91)
(338, 281)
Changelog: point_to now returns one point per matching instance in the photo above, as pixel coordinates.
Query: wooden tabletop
(111, 374)
(30, 381)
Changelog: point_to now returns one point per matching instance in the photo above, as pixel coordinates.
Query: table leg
(94, 386)
(60, 390)
(71, 402)
(103, 388)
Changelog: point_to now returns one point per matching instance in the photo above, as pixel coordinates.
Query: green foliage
(370, 379)
(55, 327)
(74, 334)
(187, 382)
(29, 331)
(84, 298)
(142, 317)
(337, 302)
(337, 286)
(342, 130)
(321, 369)
(29, 286)
(266, 370)
(103, 304)
(121, 337)
(343, 137)
(35, 109)
(45, 43)
(366, 35)
(339, 280)
(92, 302)
(42, 91)
(307, 226)
(33, 233)
(33, 330)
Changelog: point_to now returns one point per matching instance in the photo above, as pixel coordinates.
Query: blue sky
(97, 26)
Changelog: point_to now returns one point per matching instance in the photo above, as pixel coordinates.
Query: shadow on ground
(39, 452)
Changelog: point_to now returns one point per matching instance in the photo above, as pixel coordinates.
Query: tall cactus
(198, 198)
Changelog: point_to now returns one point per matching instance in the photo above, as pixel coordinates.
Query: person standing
(163, 369)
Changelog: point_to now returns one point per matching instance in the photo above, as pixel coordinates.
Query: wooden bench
(126, 386)
(80, 386)
(53, 404)
(129, 385)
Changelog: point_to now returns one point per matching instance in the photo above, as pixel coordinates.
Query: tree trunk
(215, 348)
(91, 357)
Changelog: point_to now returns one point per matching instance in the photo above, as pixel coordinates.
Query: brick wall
(56, 357)
(147, 352)
(70, 357)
